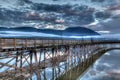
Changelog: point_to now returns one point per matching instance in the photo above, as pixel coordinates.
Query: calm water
(106, 68)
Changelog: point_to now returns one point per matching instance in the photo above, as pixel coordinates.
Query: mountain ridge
(71, 31)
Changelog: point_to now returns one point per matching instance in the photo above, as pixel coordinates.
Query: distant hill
(71, 31)
(79, 31)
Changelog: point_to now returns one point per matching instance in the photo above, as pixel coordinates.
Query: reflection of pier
(40, 59)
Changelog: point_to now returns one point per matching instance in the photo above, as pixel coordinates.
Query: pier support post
(31, 68)
(17, 54)
(36, 56)
(21, 63)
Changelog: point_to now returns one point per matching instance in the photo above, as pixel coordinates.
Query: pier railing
(26, 43)
(14, 44)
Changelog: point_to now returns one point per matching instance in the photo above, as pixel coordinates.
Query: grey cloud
(113, 25)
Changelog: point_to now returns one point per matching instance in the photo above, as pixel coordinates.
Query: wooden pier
(43, 59)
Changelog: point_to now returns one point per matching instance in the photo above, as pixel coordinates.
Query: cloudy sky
(110, 25)
(102, 16)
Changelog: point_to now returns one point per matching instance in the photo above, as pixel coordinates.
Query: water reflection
(106, 68)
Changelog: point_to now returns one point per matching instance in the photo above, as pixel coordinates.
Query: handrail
(25, 43)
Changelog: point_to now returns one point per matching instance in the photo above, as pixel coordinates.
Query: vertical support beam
(36, 57)
(57, 54)
(40, 53)
(55, 61)
(82, 42)
(21, 57)
(17, 54)
(53, 68)
(85, 53)
(88, 52)
(92, 53)
(75, 62)
(53, 73)
(38, 75)
(77, 56)
(71, 54)
(0, 43)
(31, 69)
(68, 57)
(81, 54)
(39, 63)
(44, 64)
(65, 63)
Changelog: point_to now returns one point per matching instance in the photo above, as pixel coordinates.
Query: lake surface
(105, 68)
